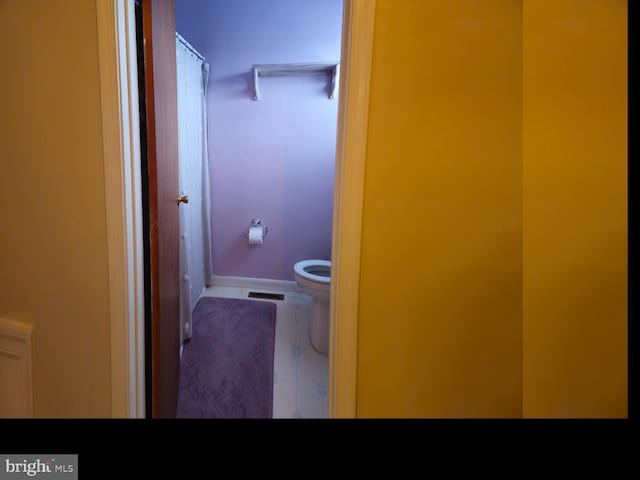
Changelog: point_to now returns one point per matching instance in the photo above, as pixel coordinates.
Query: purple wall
(273, 158)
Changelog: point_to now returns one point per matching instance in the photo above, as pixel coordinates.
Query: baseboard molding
(256, 283)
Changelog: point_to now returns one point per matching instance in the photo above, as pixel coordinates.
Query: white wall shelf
(291, 69)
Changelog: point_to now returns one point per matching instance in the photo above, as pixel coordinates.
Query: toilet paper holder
(256, 222)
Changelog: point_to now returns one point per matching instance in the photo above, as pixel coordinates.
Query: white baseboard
(256, 283)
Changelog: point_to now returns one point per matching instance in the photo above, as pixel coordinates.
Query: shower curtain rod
(188, 46)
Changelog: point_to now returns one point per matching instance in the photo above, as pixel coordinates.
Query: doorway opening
(272, 155)
(126, 214)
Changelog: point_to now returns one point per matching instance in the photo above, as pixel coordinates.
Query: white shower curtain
(195, 227)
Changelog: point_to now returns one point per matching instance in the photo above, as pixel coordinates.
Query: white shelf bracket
(334, 81)
(256, 94)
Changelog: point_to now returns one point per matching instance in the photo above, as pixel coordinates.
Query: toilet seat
(318, 271)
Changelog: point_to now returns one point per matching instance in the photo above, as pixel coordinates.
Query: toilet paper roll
(256, 235)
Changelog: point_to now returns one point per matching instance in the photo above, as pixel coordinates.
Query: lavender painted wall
(273, 158)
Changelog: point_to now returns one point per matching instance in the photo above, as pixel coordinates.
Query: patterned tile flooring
(300, 373)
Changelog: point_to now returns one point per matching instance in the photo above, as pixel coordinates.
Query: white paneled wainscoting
(16, 400)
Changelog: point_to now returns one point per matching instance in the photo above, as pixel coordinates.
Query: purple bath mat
(226, 369)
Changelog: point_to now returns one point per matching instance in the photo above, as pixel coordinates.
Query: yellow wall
(440, 319)
(493, 277)
(575, 214)
(53, 256)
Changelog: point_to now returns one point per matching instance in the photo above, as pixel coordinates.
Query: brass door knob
(182, 199)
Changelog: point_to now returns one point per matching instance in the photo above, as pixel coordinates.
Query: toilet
(313, 277)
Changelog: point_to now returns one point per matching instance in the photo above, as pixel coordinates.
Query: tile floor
(300, 374)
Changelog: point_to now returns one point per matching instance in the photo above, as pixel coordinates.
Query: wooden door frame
(123, 197)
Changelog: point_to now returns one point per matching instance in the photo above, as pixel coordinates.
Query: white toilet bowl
(313, 277)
